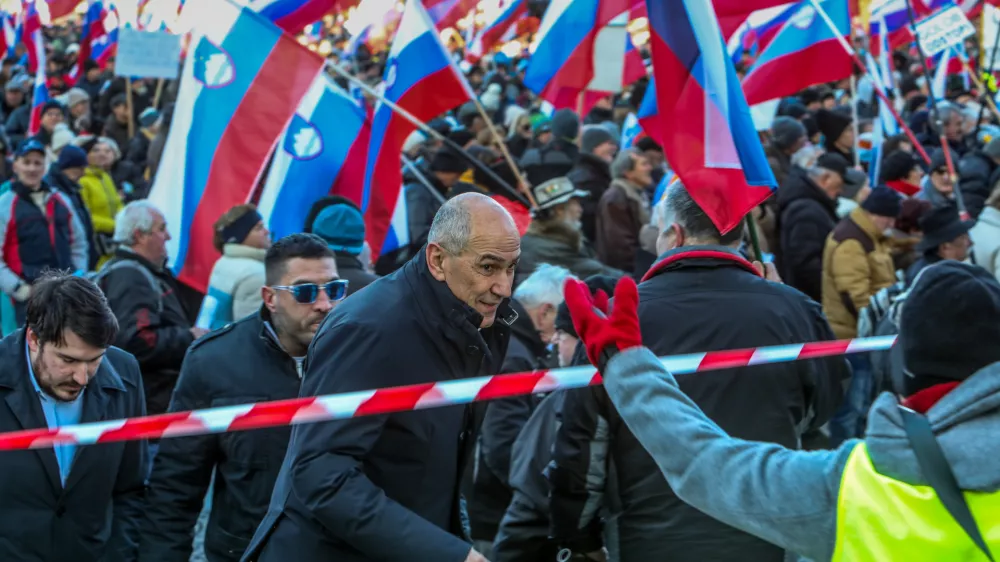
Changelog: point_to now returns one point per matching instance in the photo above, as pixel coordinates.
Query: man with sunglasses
(387, 487)
(255, 359)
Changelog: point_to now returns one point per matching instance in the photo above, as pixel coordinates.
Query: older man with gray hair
(702, 295)
(623, 210)
(153, 323)
(387, 487)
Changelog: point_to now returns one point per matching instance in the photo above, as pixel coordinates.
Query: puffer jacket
(234, 286)
(101, 197)
(857, 264)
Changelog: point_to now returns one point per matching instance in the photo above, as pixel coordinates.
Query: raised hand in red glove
(604, 335)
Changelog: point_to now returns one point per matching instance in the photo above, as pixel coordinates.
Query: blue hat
(30, 145)
(71, 157)
(342, 227)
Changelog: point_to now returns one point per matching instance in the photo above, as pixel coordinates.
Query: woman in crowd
(100, 194)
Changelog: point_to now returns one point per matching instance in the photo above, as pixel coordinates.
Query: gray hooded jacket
(787, 497)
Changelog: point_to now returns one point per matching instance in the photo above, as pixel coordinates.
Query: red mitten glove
(604, 335)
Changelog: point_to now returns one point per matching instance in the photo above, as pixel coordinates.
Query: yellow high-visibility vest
(880, 519)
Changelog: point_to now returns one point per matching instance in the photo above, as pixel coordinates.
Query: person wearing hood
(65, 176)
(340, 224)
(536, 302)
(946, 237)
(592, 172)
(807, 207)
(556, 157)
(878, 498)
(838, 135)
(938, 186)
(242, 238)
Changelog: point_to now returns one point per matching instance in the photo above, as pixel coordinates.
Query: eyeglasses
(307, 293)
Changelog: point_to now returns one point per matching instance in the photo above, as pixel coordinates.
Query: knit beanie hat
(883, 202)
(71, 157)
(832, 124)
(786, 131)
(897, 165)
(594, 136)
(949, 324)
(342, 228)
(565, 125)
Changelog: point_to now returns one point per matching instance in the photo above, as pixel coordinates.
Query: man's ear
(435, 260)
(268, 295)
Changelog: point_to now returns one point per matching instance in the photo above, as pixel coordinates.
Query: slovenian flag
(242, 82)
(312, 157)
(497, 30)
(446, 13)
(708, 135)
(294, 15)
(421, 78)
(805, 52)
(35, 45)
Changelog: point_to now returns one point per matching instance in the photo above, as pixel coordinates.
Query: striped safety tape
(405, 398)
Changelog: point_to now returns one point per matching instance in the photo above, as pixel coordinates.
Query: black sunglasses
(307, 293)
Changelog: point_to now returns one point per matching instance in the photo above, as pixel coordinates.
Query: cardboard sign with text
(148, 54)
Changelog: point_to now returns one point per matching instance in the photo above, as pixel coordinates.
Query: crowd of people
(756, 463)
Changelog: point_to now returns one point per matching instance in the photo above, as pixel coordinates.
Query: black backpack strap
(935, 468)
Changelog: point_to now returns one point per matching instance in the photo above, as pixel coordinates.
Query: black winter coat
(806, 217)
(349, 267)
(71, 189)
(383, 487)
(94, 516)
(703, 298)
(153, 325)
(242, 363)
(593, 175)
(977, 176)
(502, 424)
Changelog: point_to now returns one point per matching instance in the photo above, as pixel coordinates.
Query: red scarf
(904, 187)
(926, 398)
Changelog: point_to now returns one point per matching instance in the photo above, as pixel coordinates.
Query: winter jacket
(242, 363)
(806, 502)
(72, 191)
(523, 535)
(155, 153)
(137, 151)
(234, 286)
(421, 206)
(349, 267)
(621, 214)
(553, 160)
(502, 424)
(130, 180)
(94, 516)
(17, 125)
(695, 299)
(781, 163)
(36, 239)
(593, 175)
(856, 265)
(557, 243)
(383, 487)
(152, 323)
(977, 174)
(116, 131)
(806, 217)
(101, 197)
(986, 241)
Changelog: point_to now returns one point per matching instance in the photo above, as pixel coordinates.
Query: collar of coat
(704, 255)
(243, 251)
(557, 231)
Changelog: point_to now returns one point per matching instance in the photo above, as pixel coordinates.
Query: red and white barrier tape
(405, 398)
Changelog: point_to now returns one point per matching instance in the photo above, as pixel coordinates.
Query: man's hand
(601, 332)
(475, 556)
(768, 271)
(198, 332)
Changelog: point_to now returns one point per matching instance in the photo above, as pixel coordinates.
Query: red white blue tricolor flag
(242, 82)
(712, 143)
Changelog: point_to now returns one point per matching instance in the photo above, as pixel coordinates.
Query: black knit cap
(897, 165)
(606, 283)
(949, 325)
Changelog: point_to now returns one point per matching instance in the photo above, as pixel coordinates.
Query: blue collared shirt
(57, 414)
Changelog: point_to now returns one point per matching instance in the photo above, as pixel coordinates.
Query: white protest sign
(147, 54)
(944, 29)
(991, 26)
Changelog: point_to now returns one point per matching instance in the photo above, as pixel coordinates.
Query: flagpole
(938, 122)
(878, 90)
(854, 120)
(429, 131)
(524, 185)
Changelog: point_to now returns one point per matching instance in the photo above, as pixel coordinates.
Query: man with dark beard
(258, 358)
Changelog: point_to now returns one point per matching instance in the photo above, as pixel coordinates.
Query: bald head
(468, 216)
(473, 247)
